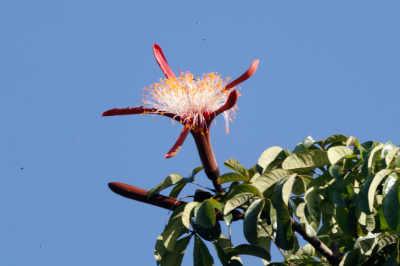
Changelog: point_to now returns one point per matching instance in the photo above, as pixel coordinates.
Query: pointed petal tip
(246, 75)
(178, 144)
(162, 61)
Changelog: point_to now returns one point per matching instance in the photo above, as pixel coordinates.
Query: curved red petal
(162, 62)
(178, 143)
(128, 111)
(232, 100)
(245, 76)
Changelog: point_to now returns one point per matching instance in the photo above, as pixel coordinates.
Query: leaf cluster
(344, 193)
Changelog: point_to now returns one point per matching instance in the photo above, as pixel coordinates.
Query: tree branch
(168, 203)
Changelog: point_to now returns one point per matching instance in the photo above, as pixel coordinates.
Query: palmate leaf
(350, 259)
(251, 221)
(268, 179)
(169, 181)
(159, 249)
(231, 177)
(243, 188)
(201, 255)
(284, 234)
(187, 213)
(208, 234)
(285, 189)
(177, 189)
(366, 196)
(391, 205)
(223, 246)
(205, 216)
(351, 141)
(338, 153)
(264, 239)
(306, 160)
(335, 138)
(237, 201)
(375, 153)
(235, 165)
(252, 250)
(173, 229)
(175, 257)
(390, 155)
(269, 155)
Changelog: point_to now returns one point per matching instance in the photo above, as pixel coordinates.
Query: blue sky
(326, 67)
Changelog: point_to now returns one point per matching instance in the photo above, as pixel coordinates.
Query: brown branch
(316, 243)
(168, 203)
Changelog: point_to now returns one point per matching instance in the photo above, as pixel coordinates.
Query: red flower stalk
(194, 103)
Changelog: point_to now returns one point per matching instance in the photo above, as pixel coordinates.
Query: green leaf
(175, 257)
(391, 206)
(338, 153)
(269, 155)
(197, 170)
(225, 245)
(268, 179)
(306, 160)
(375, 153)
(336, 170)
(237, 201)
(338, 192)
(235, 165)
(350, 259)
(187, 213)
(308, 142)
(230, 177)
(367, 243)
(284, 234)
(299, 186)
(351, 141)
(227, 218)
(159, 249)
(205, 215)
(310, 251)
(366, 196)
(251, 250)
(201, 255)
(251, 221)
(264, 239)
(390, 155)
(335, 138)
(221, 254)
(177, 189)
(208, 234)
(169, 181)
(243, 188)
(341, 218)
(173, 228)
(285, 189)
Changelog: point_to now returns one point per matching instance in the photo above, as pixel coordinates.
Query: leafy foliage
(342, 193)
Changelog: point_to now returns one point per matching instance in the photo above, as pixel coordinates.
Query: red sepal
(245, 76)
(162, 62)
(178, 143)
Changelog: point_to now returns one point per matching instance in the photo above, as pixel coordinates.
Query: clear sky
(326, 67)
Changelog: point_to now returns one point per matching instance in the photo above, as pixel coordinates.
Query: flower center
(190, 100)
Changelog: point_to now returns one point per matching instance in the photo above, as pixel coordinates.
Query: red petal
(127, 111)
(162, 62)
(178, 143)
(232, 100)
(245, 76)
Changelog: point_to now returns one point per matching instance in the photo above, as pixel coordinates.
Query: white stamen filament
(189, 99)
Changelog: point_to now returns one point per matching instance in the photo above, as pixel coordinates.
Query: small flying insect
(204, 39)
